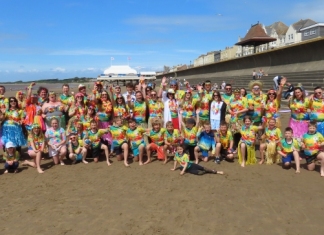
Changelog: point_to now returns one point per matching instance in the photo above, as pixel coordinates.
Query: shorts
(289, 158)
(158, 149)
(118, 149)
(311, 159)
(136, 150)
(214, 124)
(204, 152)
(53, 152)
(95, 152)
(78, 157)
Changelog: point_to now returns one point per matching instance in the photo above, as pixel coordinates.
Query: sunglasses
(215, 95)
(72, 138)
(12, 101)
(228, 89)
(271, 93)
(119, 98)
(153, 94)
(319, 92)
(256, 88)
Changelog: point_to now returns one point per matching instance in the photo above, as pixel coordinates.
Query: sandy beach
(151, 199)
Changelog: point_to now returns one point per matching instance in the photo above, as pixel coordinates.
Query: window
(306, 34)
(292, 36)
(288, 37)
(312, 32)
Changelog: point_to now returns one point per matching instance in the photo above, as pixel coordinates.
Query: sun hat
(171, 91)
(10, 145)
(255, 83)
(81, 86)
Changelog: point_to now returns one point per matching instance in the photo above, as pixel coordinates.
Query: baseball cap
(10, 145)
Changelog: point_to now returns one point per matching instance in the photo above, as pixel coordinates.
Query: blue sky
(42, 39)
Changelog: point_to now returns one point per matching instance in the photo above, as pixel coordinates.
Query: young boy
(288, 148)
(206, 141)
(76, 151)
(11, 156)
(134, 134)
(187, 166)
(311, 142)
(119, 140)
(157, 136)
(189, 133)
(172, 137)
(91, 141)
(224, 146)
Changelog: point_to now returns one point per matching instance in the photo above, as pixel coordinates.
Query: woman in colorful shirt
(247, 144)
(272, 104)
(42, 95)
(36, 145)
(139, 108)
(188, 106)
(11, 126)
(155, 107)
(299, 106)
(53, 108)
(104, 114)
(120, 108)
(272, 136)
(217, 110)
(79, 108)
(316, 106)
(56, 140)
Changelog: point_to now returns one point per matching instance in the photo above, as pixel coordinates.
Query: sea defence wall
(307, 56)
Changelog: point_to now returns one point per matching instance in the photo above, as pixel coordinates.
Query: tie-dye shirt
(256, 102)
(182, 159)
(172, 138)
(105, 113)
(120, 111)
(204, 106)
(38, 141)
(206, 140)
(118, 134)
(317, 110)
(299, 109)
(226, 98)
(237, 105)
(94, 137)
(14, 116)
(312, 143)
(248, 134)
(4, 104)
(66, 99)
(179, 94)
(226, 139)
(188, 108)
(55, 136)
(273, 135)
(139, 112)
(271, 109)
(155, 108)
(14, 157)
(190, 136)
(157, 137)
(135, 136)
(285, 147)
(174, 108)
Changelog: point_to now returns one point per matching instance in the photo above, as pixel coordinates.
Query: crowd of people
(164, 121)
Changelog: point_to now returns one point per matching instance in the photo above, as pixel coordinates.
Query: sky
(43, 39)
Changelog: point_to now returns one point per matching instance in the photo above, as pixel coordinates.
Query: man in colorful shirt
(256, 101)
(228, 93)
(316, 106)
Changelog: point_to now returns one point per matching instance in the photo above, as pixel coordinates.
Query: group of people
(190, 126)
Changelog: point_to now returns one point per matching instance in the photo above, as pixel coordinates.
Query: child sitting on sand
(171, 139)
(206, 141)
(311, 142)
(288, 148)
(76, 151)
(91, 141)
(157, 135)
(134, 134)
(224, 146)
(187, 166)
(11, 157)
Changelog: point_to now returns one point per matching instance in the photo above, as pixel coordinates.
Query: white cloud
(58, 69)
(309, 10)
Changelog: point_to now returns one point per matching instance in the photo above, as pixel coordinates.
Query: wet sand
(151, 199)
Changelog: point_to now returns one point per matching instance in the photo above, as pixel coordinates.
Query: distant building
(313, 31)
(277, 30)
(229, 52)
(209, 58)
(293, 34)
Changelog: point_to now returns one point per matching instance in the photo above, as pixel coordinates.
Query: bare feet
(197, 161)
(62, 163)
(126, 163)
(6, 172)
(140, 163)
(297, 171)
(85, 162)
(108, 163)
(243, 164)
(165, 161)
(220, 172)
(261, 162)
(40, 170)
(322, 173)
(147, 162)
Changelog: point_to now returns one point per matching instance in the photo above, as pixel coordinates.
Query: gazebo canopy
(255, 37)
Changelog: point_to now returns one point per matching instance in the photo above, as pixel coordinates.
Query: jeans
(14, 166)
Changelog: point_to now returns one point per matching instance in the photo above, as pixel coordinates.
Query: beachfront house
(313, 31)
(294, 34)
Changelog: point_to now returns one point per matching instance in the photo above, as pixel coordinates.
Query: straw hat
(255, 83)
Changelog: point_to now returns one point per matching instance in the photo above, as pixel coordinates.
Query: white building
(293, 34)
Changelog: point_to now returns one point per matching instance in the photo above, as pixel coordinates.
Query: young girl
(104, 115)
(134, 134)
(171, 139)
(246, 145)
(217, 110)
(56, 140)
(272, 137)
(187, 166)
(36, 145)
(157, 136)
(76, 151)
(11, 157)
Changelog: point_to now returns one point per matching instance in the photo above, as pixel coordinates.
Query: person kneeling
(224, 146)
(76, 152)
(11, 156)
(206, 141)
(189, 167)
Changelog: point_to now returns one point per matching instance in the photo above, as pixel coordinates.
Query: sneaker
(217, 160)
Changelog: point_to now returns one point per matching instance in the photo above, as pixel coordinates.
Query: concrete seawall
(301, 57)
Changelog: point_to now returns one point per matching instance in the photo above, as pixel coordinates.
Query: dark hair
(42, 88)
(123, 99)
(223, 123)
(312, 123)
(268, 95)
(318, 87)
(3, 88)
(228, 84)
(245, 93)
(130, 85)
(219, 95)
(289, 129)
(131, 120)
(13, 98)
(298, 88)
(93, 121)
(108, 96)
(247, 117)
